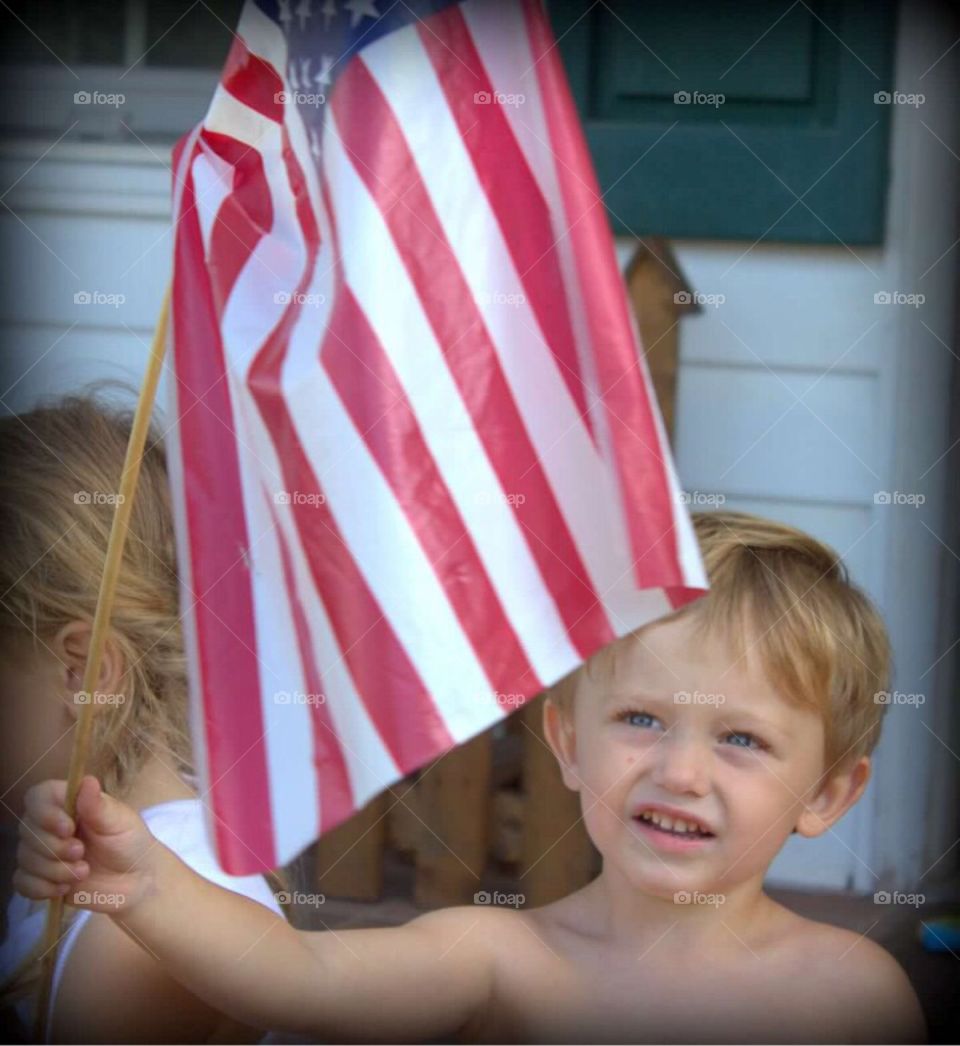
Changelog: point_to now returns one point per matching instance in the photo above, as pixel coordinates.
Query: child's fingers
(44, 805)
(50, 868)
(36, 888)
(101, 813)
(47, 843)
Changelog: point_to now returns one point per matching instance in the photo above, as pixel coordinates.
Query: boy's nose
(682, 766)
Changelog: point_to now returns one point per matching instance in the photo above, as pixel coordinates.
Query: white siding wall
(86, 217)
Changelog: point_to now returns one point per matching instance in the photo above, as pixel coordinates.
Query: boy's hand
(101, 862)
(415, 983)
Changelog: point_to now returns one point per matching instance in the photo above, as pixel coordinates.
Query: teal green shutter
(799, 114)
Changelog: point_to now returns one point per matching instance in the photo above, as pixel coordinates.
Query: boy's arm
(858, 992)
(887, 1008)
(421, 980)
(414, 982)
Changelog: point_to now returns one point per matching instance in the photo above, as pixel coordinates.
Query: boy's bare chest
(636, 999)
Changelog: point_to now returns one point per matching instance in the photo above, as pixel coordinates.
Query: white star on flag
(303, 12)
(361, 9)
(326, 67)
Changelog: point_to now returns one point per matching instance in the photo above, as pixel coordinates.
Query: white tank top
(179, 825)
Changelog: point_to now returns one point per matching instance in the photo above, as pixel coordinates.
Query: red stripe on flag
(244, 216)
(398, 702)
(253, 81)
(336, 795)
(509, 185)
(375, 142)
(213, 500)
(178, 146)
(626, 395)
(679, 596)
(378, 404)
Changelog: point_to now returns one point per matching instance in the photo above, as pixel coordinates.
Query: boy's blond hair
(820, 640)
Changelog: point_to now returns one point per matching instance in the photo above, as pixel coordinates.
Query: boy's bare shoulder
(499, 939)
(854, 981)
(485, 923)
(504, 938)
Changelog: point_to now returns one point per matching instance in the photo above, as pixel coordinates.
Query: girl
(59, 470)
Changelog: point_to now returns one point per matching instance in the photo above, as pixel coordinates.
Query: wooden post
(349, 860)
(453, 805)
(660, 296)
(557, 856)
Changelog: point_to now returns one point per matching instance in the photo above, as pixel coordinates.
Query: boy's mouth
(681, 827)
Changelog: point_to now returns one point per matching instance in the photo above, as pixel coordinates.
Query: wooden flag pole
(101, 622)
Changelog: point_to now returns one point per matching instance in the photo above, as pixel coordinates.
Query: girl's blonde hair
(820, 640)
(60, 467)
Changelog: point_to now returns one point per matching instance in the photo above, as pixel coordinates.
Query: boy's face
(682, 725)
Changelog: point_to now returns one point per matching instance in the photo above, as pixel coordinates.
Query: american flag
(418, 469)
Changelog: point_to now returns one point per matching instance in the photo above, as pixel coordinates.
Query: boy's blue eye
(745, 740)
(638, 718)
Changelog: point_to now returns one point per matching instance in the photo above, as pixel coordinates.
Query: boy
(698, 744)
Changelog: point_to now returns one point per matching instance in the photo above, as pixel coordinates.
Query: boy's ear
(559, 732)
(835, 797)
(72, 645)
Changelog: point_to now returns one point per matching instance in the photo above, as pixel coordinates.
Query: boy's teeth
(669, 824)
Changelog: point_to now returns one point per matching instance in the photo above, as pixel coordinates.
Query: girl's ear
(559, 731)
(72, 645)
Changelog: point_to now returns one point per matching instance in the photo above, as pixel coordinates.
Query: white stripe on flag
(230, 117)
(263, 37)
(369, 765)
(288, 731)
(409, 342)
(213, 181)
